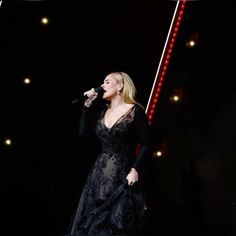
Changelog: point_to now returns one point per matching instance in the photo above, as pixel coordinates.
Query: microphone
(98, 90)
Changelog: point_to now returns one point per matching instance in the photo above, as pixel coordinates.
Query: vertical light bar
(165, 57)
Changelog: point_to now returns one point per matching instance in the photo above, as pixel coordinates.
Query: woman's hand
(132, 177)
(91, 96)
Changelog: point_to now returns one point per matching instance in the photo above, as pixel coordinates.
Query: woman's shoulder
(139, 107)
(140, 111)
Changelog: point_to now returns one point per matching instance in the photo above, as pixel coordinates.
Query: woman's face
(110, 87)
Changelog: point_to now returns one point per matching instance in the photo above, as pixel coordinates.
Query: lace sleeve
(88, 119)
(144, 138)
(85, 122)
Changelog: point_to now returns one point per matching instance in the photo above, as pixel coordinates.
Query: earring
(118, 92)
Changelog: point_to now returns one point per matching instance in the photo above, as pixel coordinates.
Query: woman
(112, 201)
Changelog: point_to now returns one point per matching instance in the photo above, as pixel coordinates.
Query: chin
(105, 97)
(108, 98)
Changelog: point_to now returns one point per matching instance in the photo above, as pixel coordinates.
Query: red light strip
(165, 57)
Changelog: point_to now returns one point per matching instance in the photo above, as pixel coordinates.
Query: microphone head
(99, 90)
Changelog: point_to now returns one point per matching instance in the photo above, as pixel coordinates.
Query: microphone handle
(98, 90)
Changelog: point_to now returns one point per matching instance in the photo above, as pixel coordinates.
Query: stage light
(159, 153)
(44, 20)
(163, 64)
(8, 142)
(177, 95)
(175, 98)
(193, 40)
(27, 81)
(192, 43)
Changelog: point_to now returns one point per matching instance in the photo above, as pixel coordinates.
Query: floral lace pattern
(107, 204)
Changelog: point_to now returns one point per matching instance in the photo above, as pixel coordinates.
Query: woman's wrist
(88, 103)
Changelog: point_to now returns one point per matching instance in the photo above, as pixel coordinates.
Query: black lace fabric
(108, 206)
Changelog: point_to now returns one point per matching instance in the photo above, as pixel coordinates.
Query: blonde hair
(128, 91)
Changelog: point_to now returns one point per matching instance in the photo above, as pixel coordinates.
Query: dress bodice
(118, 138)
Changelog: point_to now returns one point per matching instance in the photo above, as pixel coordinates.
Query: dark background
(192, 187)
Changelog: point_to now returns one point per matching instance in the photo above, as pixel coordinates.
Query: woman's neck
(116, 102)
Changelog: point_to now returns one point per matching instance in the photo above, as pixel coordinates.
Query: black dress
(108, 206)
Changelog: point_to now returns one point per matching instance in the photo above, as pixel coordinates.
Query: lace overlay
(108, 205)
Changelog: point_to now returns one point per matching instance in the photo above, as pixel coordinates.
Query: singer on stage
(113, 199)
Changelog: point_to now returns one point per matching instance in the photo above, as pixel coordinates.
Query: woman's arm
(85, 121)
(144, 138)
(88, 114)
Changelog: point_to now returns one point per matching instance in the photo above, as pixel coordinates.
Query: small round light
(8, 142)
(159, 153)
(26, 81)
(44, 20)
